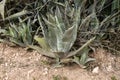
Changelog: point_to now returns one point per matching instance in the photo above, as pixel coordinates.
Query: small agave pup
(58, 36)
(20, 34)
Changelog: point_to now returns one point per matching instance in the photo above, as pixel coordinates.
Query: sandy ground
(19, 64)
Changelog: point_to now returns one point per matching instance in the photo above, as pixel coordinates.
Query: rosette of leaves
(20, 34)
(59, 36)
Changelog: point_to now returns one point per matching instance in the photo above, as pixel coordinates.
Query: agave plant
(59, 35)
(20, 34)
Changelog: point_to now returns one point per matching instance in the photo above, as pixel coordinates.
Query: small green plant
(20, 34)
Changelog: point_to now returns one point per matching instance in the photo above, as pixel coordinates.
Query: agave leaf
(51, 19)
(81, 48)
(59, 20)
(28, 32)
(89, 60)
(77, 61)
(77, 18)
(23, 32)
(69, 13)
(12, 32)
(50, 24)
(59, 31)
(84, 56)
(16, 15)
(59, 25)
(2, 6)
(18, 42)
(27, 37)
(13, 26)
(68, 34)
(43, 52)
(42, 43)
(52, 39)
(69, 38)
(44, 29)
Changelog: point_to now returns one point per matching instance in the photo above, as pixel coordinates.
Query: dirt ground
(19, 64)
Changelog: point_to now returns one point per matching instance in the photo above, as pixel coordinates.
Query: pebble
(109, 68)
(95, 70)
(45, 71)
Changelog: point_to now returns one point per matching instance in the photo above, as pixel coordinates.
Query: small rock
(95, 70)
(6, 64)
(56, 70)
(45, 71)
(109, 68)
